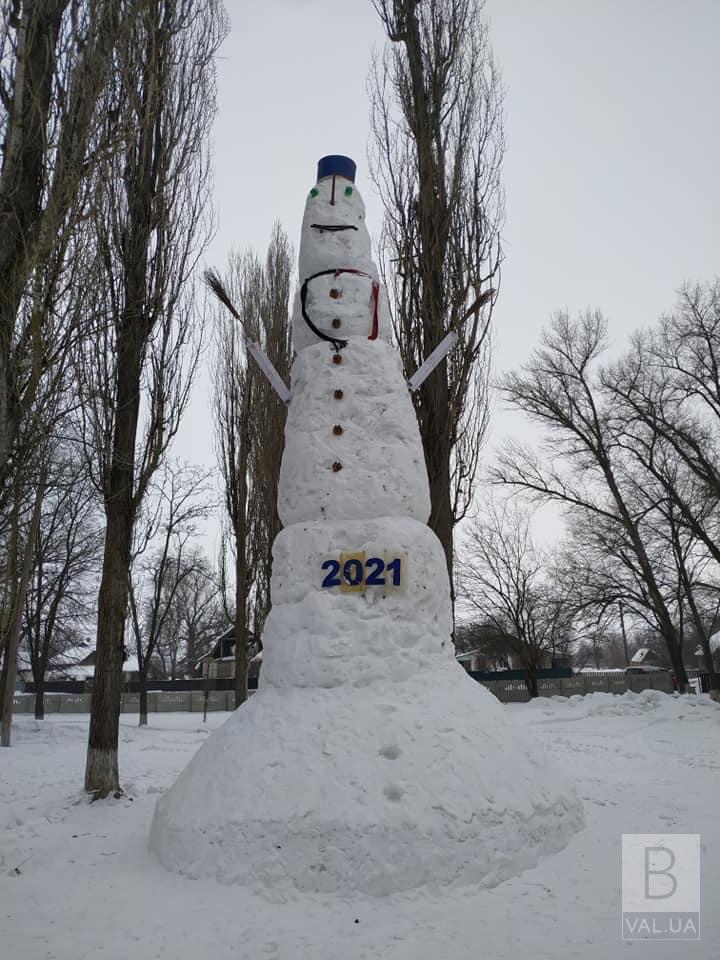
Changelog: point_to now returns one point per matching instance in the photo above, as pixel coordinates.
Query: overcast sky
(611, 170)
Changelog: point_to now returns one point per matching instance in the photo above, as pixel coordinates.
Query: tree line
(104, 189)
(629, 452)
(105, 111)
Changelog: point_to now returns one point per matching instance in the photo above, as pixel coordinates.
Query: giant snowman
(367, 761)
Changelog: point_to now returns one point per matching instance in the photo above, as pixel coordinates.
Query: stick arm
(430, 362)
(265, 364)
(446, 344)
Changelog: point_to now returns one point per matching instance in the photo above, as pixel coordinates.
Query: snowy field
(77, 881)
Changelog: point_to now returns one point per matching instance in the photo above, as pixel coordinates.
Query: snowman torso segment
(373, 465)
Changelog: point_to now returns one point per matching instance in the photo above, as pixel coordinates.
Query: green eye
(314, 192)
(348, 191)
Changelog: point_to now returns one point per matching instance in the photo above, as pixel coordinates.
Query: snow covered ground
(77, 880)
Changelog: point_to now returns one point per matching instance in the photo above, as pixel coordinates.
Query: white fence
(509, 691)
(183, 701)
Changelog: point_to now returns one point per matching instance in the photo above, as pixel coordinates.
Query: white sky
(612, 164)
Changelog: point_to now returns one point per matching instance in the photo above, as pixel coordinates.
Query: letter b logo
(659, 882)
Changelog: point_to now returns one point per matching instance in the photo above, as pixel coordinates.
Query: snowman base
(366, 790)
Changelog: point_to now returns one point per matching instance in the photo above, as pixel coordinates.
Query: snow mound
(373, 790)
(671, 706)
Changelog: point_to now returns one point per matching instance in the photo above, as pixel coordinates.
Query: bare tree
(503, 576)
(19, 568)
(55, 57)
(66, 555)
(163, 546)
(607, 584)
(37, 432)
(269, 414)
(250, 420)
(195, 618)
(149, 228)
(666, 393)
(587, 465)
(601, 647)
(234, 381)
(483, 639)
(436, 157)
(698, 588)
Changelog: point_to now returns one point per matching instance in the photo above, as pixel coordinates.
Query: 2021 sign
(357, 572)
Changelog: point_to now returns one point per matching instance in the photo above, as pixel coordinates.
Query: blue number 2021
(354, 575)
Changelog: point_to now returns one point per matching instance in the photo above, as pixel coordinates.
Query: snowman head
(334, 233)
(339, 295)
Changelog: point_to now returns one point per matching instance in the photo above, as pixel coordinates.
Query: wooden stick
(212, 279)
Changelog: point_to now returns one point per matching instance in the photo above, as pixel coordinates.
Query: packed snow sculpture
(368, 760)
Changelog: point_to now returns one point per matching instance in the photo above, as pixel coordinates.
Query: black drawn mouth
(331, 227)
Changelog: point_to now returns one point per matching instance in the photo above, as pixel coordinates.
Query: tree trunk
(624, 635)
(101, 770)
(241, 525)
(436, 444)
(3, 679)
(532, 684)
(241, 637)
(40, 700)
(696, 617)
(433, 225)
(143, 718)
(674, 649)
(11, 651)
(659, 607)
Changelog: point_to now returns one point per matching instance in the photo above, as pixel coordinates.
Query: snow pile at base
(372, 789)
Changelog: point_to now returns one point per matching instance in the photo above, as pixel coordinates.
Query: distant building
(220, 662)
(646, 657)
(76, 664)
